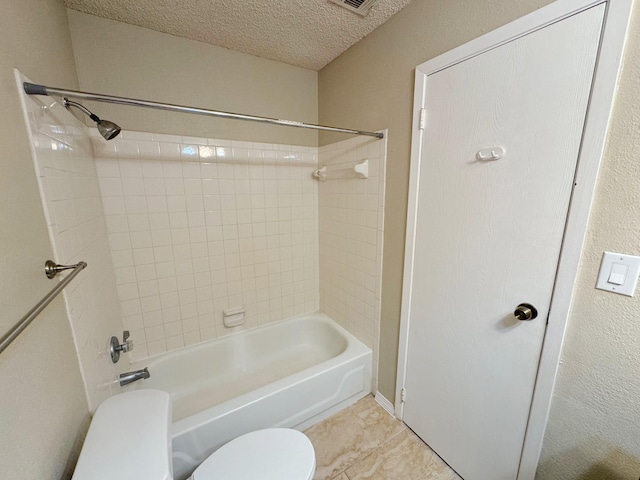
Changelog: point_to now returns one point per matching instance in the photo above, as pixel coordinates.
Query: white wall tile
(73, 204)
(189, 230)
(350, 237)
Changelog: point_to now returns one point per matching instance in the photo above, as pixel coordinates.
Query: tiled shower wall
(197, 226)
(73, 210)
(351, 224)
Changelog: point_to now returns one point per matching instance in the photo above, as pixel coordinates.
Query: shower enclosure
(177, 230)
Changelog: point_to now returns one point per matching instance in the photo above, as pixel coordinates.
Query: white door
(488, 238)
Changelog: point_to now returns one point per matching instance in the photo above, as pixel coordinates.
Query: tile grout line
(374, 450)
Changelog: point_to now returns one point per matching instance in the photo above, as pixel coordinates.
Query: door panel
(488, 238)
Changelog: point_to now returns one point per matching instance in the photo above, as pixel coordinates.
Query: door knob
(525, 312)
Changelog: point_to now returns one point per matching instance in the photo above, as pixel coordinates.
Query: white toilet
(129, 439)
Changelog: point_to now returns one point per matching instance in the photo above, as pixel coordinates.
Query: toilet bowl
(129, 439)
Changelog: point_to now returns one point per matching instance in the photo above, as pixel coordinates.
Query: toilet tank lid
(128, 439)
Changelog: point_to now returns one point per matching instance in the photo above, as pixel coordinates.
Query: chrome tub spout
(130, 377)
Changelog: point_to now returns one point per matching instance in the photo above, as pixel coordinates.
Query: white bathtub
(291, 373)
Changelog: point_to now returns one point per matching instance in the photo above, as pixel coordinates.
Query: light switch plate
(611, 260)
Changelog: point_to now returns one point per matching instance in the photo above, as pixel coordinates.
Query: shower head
(106, 128)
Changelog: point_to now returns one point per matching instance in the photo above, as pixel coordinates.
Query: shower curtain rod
(35, 89)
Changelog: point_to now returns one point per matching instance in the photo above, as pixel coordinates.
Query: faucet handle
(115, 347)
(127, 345)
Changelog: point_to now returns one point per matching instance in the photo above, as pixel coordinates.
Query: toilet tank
(129, 439)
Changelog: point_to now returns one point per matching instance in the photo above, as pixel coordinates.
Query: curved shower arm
(69, 103)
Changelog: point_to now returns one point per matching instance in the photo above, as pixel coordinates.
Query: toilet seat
(269, 454)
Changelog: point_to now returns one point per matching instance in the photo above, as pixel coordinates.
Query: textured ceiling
(306, 33)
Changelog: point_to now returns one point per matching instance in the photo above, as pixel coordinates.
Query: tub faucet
(130, 377)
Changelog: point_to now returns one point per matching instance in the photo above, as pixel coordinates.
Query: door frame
(594, 136)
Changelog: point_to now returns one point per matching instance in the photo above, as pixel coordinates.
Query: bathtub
(291, 373)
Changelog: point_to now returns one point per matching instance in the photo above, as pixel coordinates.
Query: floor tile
(349, 435)
(404, 456)
(342, 476)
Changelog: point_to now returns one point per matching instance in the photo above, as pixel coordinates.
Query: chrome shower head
(106, 128)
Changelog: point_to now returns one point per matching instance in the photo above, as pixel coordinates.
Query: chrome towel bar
(51, 269)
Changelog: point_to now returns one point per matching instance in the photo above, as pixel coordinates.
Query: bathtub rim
(355, 349)
(320, 316)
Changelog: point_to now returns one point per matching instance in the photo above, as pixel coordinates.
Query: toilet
(130, 439)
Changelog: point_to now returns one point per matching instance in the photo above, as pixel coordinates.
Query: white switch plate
(630, 280)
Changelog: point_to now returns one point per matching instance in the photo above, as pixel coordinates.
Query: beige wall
(43, 410)
(126, 60)
(594, 420)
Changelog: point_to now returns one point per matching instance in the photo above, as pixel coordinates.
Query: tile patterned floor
(364, 442)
